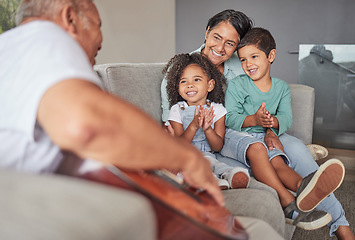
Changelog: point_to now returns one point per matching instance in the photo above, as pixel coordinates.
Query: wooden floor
(348, 159)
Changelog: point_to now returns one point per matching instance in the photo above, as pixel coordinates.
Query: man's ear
(69, 19)
(211, 84)
(272, 55)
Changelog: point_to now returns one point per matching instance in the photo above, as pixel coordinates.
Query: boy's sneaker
(306, 220)
(319, 184)
(238, 177)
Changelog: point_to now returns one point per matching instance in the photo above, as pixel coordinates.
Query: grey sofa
(139, 83)
(61, 207)
(57, 207)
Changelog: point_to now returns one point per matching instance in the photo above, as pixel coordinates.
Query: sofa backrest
(139, 83)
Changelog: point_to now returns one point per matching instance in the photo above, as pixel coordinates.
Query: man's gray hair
(47, 9)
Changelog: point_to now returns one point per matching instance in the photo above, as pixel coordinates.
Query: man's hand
(198, 174)
(272, 141)
(168, 128)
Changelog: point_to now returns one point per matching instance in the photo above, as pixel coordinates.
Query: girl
(196, 97)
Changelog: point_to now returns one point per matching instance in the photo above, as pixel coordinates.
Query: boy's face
(194, 85)
(255, 63)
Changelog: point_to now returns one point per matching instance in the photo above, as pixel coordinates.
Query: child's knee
(257, 147)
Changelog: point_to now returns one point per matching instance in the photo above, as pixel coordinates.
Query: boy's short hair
(259, 37)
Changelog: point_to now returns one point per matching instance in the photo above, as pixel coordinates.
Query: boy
(256, 102)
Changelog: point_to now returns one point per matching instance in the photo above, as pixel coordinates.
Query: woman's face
(221, 42)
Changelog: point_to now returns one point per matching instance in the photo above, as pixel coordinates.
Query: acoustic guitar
(182, 212)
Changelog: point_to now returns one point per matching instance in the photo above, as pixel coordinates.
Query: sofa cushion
(138, 83)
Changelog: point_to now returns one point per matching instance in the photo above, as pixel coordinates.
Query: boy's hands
(263, 117)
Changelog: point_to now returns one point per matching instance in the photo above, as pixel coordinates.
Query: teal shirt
(232, 68)
(243, 98)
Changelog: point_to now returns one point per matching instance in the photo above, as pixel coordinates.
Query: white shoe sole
(312, 225)
(326, 180)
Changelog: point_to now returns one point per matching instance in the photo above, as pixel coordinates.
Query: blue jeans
(218, 167)
(300, 160)
(237, 143)
(200, 142)
(303, 163)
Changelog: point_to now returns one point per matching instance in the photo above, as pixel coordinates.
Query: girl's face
(194, 85)
(221, 42)
(255, 63)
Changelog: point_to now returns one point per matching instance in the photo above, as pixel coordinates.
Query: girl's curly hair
(176, 66)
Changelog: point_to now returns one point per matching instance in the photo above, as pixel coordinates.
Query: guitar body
(181, 213)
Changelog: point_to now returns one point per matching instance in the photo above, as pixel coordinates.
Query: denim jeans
(237, 143)
(299, 159)
(200, 141)
(303, 163)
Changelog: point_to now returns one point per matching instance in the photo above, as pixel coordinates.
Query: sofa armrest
(302, 101)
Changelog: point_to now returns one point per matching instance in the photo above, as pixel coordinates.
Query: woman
(223, 33)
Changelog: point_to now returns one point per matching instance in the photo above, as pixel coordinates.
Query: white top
(174, 114)
(34, 57)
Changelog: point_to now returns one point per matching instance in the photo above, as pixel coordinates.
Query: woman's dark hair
(239, 21)
(259, 37)
(177, 65)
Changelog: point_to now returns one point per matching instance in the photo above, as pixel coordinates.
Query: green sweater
(243, 98)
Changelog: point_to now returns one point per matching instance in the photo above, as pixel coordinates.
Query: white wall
(137, 30)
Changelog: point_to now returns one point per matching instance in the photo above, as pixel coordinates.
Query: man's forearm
(97, 125)
(81, 118)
